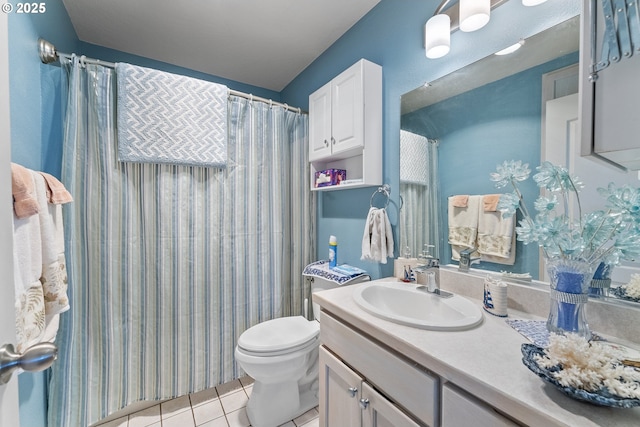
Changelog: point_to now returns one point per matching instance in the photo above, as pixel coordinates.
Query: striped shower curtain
(168, 265)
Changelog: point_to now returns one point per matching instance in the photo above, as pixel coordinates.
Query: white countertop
(486, 361)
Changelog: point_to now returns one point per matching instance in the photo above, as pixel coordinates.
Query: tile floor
(222, 406)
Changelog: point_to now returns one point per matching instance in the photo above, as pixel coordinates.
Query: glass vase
(569, 280)
(601, 281)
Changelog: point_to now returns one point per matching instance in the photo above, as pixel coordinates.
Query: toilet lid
(278, 334)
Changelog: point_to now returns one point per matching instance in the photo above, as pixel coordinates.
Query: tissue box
(330, 177)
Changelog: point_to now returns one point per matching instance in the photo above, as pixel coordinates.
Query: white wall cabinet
(609, 103)
(345, 126)
(347, 400)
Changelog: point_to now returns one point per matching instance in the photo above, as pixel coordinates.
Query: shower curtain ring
(83, 63)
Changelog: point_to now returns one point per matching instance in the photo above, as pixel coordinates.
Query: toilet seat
(279, 336)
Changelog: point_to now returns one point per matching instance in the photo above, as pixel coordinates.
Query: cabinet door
(339, 393)
(347, 109)
(461, 409)
(320, 123)
(380, 412)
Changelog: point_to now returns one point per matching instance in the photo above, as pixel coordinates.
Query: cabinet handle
(353, 391)
(333, 141)
(326, 143)
(364, 403)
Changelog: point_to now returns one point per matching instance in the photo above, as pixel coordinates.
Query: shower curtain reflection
(170, 264)
(419, 223)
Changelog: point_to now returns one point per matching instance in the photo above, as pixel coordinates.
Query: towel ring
(385, 190)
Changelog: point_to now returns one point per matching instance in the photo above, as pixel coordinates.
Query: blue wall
(392, 35)
(480, 129)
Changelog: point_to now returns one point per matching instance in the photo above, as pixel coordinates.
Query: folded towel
(459, 201)
(340, 275)
(22, 187)
(56, 192)
(377, 240)
(54, 273)
(490, 202)
(167, 118)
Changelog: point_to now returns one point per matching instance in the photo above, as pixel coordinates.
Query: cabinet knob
(333, 141)
(353, 391)
(326, 143)
(364, 403)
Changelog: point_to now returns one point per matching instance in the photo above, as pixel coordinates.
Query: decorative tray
(601, 398)
(621, 293)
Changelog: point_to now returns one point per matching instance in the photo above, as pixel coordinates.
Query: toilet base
(271, 405)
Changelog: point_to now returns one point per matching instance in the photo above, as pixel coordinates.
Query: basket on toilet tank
(325, 277)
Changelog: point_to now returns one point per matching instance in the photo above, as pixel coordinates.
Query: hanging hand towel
(22, 188)
(54, 271)
(56, 192)
(496, 236)
(377, 240)
(27, 261)
(463, 222)
(167, 118)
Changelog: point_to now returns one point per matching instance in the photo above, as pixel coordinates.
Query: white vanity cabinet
(347, 400)
(358, 374)
(345, 126)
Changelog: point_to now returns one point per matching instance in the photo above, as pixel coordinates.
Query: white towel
(377, 239)
(29, 298)
(168, 118)
(495, 234)
(463, 225)
(54, 272)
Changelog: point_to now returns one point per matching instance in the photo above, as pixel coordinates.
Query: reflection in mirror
(492, 111)
(419, 220)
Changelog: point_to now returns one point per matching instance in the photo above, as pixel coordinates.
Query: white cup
(495, 297)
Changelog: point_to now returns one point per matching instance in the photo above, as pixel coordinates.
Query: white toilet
(281, 355)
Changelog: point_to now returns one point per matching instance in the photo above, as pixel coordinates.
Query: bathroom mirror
(491, 111)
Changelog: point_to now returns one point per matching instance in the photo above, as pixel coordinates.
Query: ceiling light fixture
(437, 36)
(532, 2)
(511, 49)
(474, 14)
(469, 15)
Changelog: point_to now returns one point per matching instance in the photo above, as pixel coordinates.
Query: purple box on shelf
(330, 177)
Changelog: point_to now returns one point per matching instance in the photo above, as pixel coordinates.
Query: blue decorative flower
(509, 172)
(600, 236)
(508, 204)
(545, 204)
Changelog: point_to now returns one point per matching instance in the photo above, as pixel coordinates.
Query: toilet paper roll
(495, 297)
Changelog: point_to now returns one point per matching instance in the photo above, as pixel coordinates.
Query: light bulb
(474, 14)
(437, 36)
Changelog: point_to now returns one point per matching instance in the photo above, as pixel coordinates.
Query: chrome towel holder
(385, 190)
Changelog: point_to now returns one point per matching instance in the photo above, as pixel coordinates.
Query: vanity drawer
(407, 385)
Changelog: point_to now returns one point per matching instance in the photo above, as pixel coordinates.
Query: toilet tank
(321, 284)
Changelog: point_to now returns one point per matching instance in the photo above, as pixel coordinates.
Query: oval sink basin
(414, 306)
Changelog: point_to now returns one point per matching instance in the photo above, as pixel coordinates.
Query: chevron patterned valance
(168, 118)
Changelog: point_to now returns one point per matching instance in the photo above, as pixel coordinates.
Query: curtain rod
(49, 54)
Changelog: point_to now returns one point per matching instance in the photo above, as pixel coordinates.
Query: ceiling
(265, 43)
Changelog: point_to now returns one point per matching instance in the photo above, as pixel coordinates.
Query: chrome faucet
(428, 275)
(465, 259)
